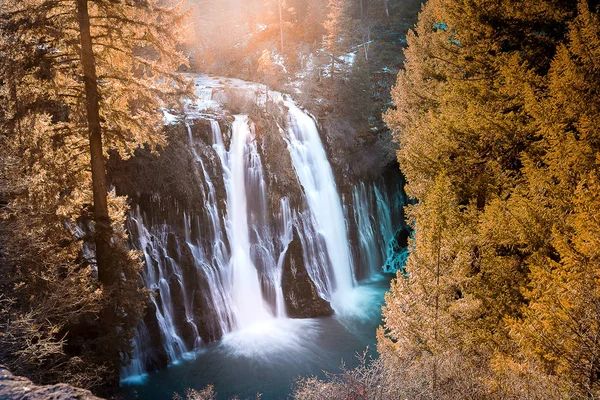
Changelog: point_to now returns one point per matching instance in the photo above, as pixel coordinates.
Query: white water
(246, 292)
(155, 277)
(367, 234)
(316, 176)
(247, 231)
(216, 268)
(239, 249)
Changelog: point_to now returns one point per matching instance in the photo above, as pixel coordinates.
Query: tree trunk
(103, 229)
(15, 125)
(437, 308)
(280, 26)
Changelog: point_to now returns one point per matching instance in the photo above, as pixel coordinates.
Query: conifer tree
(314, 19)
(278, 8)
(462, 106)
(336, 27)
(84, 116)
(558, 331)
(355, 89)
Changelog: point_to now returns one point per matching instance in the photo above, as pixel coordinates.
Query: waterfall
(369, 240)
(285, 237)
(384, 215)
(160, 272)
(215, 268)
(316, 176)
(247, 294)
(218, 269)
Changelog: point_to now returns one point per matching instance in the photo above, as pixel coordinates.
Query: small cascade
(384, 215)
(324, 205)
(214, 262)
(140, 348)
(161, 274)
(368, 234)
(286, 235)
(379, 218)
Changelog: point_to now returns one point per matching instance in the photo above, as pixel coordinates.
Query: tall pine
(92, 76)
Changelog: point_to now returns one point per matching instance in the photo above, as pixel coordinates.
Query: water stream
(218, 307)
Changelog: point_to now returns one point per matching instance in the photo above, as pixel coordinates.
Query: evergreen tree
(558, 331)
(49, 84)
(337, 28)
(462, 106)
(314, 19)
(427, 307)
(356, 89)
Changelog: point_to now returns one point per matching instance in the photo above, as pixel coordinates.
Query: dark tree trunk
(103, 230)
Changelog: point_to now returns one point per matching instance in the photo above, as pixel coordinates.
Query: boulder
(18, 388)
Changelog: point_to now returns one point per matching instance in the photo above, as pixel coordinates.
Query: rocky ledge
(18, 388)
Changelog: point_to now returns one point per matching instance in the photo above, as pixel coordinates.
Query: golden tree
(558, 331)
(81, 79)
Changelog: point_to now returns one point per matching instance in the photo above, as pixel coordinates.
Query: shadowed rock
(301, 297)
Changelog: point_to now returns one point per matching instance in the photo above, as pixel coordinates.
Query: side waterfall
(324, 204)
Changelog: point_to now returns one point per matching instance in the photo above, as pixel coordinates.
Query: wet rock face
(18, 388)
(299, 291)
(280, 173)
(157, 356)
(402, 239)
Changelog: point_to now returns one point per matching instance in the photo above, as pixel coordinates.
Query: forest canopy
(496, 117)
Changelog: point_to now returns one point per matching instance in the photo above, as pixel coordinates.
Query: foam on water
(361, 303)
(271, 339)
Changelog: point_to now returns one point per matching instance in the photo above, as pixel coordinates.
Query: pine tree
(277, 8)
(424, 308)
(462, 106)
(314, 19)
(337, 28)
(557, 333)
(377, 9)
(83, 116)
(355, 90)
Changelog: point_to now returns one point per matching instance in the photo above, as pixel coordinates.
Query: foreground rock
(18, 388)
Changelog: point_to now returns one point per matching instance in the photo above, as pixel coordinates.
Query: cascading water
(247, 295)
(239, 239)
(215, 268)
(316, 176)
(367, 232)
(378, 220)
(160, 275)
